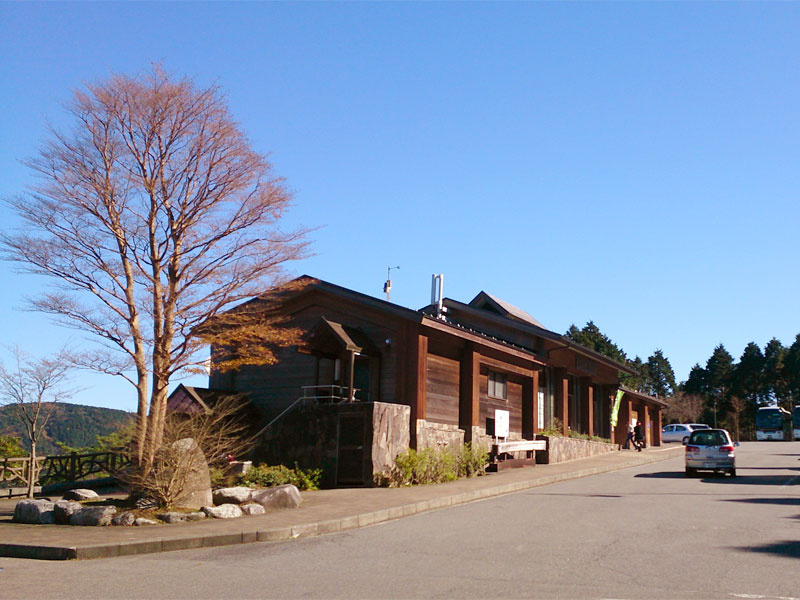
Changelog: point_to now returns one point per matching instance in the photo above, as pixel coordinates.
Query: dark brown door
(352, 446)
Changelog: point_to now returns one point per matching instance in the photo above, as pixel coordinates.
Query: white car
(680, 432)
(711, 450)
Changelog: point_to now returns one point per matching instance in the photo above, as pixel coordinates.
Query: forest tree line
(723, 393)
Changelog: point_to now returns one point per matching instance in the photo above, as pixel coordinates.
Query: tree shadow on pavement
(788, 549)
(783, 501)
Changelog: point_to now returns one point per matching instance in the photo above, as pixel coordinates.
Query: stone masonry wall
(390, 434)
(562, 449)
(437, 435)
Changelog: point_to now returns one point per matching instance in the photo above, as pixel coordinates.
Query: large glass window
(498, 386)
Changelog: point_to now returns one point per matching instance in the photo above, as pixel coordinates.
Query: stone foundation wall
(562, 449)
(438, 435)
(391, 434)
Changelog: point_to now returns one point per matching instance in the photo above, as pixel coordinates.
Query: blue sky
(635, 164)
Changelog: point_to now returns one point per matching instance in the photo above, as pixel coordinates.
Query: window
(497, 386)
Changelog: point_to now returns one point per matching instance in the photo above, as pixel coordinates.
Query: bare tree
(32, 387)
(152, 216)
(684, 408)
(216, 432)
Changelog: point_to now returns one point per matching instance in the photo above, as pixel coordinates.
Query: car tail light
(726, 448)
(692, 449)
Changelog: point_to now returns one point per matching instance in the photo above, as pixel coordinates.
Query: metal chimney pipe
(437, 291)
(441, 295)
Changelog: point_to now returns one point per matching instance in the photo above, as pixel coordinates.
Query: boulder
(80, 495)
(64, 509)
(142, 521)
(197, 487)
(94, 516)
(125, 518)
(225, 511)
(34, 511)
(233, 495)
(282, 496)
(172, 517)
(252, 508)
(195, 516)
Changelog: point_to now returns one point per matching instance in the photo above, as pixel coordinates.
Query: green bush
(436, 466)
(271, 476)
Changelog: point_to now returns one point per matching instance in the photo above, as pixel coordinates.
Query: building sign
(501, 422)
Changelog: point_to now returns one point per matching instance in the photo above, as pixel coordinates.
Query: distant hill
(75, 425)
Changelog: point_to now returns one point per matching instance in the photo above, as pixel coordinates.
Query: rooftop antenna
(387, 287)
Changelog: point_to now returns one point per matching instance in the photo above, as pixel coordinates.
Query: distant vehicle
(710, 450)
(680, 432)
(773, 423)
(796, 422)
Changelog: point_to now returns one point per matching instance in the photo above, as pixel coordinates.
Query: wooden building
(452, 363)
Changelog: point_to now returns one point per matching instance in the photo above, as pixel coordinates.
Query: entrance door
(352, 446)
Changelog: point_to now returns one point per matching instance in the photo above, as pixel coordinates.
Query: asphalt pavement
(321, 512)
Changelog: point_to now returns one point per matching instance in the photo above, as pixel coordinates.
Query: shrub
(271, 476)
(435, 465)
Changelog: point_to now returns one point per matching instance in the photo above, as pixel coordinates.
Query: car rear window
(708, 438)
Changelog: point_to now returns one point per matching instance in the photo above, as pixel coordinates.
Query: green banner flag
(615, 408)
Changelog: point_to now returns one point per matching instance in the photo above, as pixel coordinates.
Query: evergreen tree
(660, 376)
(719, 376)
(696, 383)
(775, 385)
(791, 370)
(639, 381)
(747, 385)
(594, 339)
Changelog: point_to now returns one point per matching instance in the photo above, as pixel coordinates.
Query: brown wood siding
(274, 387)
(513, 405)
(442, 380)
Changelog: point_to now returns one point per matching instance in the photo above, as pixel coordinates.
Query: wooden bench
(504, 455)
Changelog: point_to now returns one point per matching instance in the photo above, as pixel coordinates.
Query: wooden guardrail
(65, 467)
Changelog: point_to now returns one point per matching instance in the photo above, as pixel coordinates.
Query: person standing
(629, 440)
(638, 433)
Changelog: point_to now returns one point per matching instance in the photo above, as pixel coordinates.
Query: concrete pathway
(322, 512)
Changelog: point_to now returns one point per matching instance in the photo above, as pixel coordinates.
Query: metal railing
(333, 393)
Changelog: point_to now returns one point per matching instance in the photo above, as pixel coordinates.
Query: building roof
(487, 301)
(645, 397)
(505, 313)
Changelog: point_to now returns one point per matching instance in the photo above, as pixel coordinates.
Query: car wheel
(691, 472)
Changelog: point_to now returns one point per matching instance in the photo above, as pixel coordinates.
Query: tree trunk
(32, 470)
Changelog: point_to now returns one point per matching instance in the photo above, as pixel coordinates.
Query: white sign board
(501, 423)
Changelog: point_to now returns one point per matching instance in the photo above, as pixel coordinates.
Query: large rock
(252, 508)
(225, 511)
(80, 495)
(142, 521)
(197, 487)
(64, 509)
(233, 495)
(126, 518)
(34, 511)
(172, 517)
(94, 516)
(282, 496)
